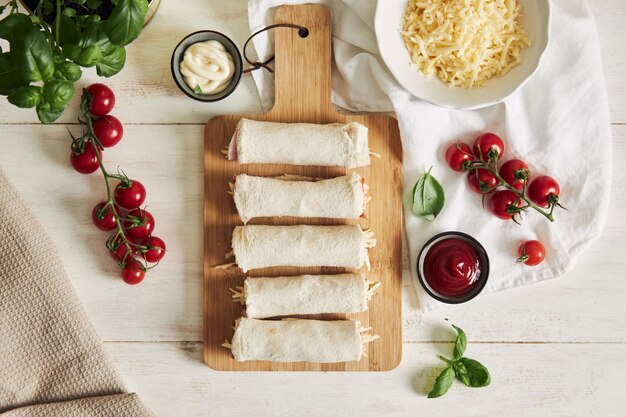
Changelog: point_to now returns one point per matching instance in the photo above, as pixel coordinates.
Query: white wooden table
(556, 349)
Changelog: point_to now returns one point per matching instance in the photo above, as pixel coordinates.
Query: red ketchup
(452, 267)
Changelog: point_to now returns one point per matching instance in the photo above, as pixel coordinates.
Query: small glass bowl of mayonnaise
(207, 66)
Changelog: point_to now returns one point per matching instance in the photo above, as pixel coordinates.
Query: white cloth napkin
(558, 123)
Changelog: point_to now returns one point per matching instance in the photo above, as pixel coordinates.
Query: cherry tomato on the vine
(138, 224)
(103, 218)
(531, 252)
(102, 101)
(133, 273)
(119, 251)
(156, 249)
(543, 190)
(487, 141)
(482, 181)
(109, 130)
(510, 170)
(87, 161)
(458, 156)
(500, 204)
(130, 197)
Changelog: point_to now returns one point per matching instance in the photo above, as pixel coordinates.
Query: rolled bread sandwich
(336, 144)
(341, 198)
(343, 246)
(305, 294)
(298, 340)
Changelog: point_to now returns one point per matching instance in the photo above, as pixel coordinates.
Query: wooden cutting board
(302, 78)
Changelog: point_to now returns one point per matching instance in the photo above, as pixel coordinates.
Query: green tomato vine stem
(119, 233)
(492, 167)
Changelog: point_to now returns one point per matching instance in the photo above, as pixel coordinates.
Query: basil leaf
(68, 32)
(69, 12)
(48, 7)
(11, 78)
(26, 97)
(126, 21)
(112, 63)
(14, 26)
(94, 35)
(442, 383)
(46, 113)
(70, 71)
(428, 197)
(86, 57)
(93, 4)
(33, 56)
(472, 373)
(460, 344)
(58, 93)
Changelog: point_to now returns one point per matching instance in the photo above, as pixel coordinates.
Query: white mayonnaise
(207, 66)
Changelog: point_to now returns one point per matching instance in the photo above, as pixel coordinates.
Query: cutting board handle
(302, 66)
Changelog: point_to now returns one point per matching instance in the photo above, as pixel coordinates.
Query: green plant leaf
(472, 373)
(442, 383)
(126, 21)
(11, 78)
(14, 26)
(93, 4)
(112, 63)
(68, 31)
(33, 56)
(85, 57)
(26, 97)
(70, 71)
(58, 93)
(428, 197)
(95, 35)
(460, 344)
(197, 89)
(48, 7)
(48, 114)
(69, 12)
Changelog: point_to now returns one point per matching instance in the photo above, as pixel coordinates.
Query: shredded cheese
(464, 42)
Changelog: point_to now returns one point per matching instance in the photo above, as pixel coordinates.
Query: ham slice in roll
(344, 145)
(342, 197)
(305, 294)
(302, 245)
(297, 340)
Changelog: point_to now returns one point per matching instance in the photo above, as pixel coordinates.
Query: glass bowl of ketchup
(453, 267)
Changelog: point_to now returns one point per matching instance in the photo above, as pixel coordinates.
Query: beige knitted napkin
(51, 360)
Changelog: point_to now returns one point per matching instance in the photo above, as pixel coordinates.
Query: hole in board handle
(303, 33)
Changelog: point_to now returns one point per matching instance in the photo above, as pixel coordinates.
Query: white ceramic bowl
(535, 20)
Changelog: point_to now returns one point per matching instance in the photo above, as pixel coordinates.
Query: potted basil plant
(50, 43)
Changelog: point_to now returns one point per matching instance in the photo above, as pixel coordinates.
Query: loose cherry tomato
(500, 204)
(531, 252)
(130, 197)
(458, 156)
(138, 224)
(102, 100)
(119, 251)
(515, 172)
(156, 249)
(133, 273)
(543, 191)
(487, 141)
(103, 218)
(109, 130)
(482, 181)
(87, 161)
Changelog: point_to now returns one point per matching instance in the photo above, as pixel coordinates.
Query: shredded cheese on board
(464, 42)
